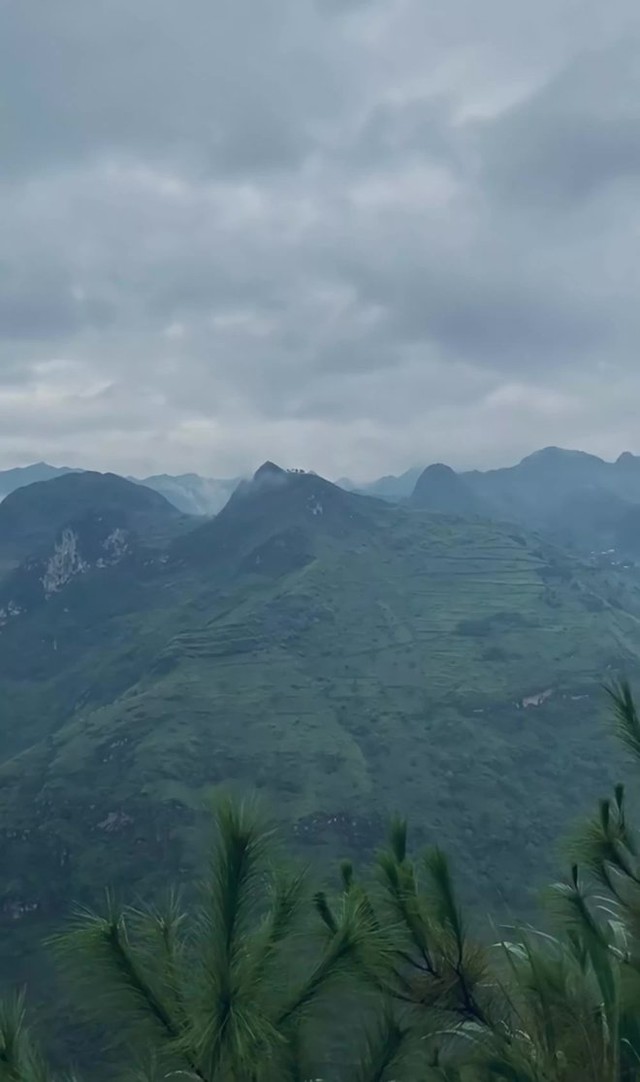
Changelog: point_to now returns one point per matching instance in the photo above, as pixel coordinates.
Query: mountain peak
(269, 471)
(440, 488)
(439, 469)
(268, 476)
(282, 510)
(553, 455)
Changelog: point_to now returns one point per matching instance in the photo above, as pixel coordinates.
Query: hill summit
(52, 532)
(278, 511)
(33, 515)
(268, 471)
(439, 488)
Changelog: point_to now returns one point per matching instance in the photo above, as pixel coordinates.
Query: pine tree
(233, 988)
(534, 1008)
(20, 1057)
(248, 984)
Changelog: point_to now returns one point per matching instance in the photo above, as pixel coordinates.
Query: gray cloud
(237, 88)
(346, 235)
(577, 134)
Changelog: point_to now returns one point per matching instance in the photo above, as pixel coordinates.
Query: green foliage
(20, 1057)
(387, 1052)
(229, 987)
(261, 979)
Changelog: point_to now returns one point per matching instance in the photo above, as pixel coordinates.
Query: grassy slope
(346, 664)
(381, 672)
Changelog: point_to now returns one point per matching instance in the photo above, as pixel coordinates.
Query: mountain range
(344, 655)
(190, 493)
(578, 499)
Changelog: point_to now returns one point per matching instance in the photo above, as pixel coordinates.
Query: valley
(342, 656)
(345, 657)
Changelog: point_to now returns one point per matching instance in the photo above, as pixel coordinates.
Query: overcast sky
(352, 235)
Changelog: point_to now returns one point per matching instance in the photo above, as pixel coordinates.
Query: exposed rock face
(115, 545)
(63, 564)
(115, 820)
(90, 544)
(68, 560)
(7, 611)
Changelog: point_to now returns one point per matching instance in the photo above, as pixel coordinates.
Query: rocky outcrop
(94, 543)
(64, 563)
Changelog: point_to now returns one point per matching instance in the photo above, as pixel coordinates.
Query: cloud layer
(344, 234)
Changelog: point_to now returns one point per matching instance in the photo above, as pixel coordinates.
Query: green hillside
(32, 517)
(345, 657)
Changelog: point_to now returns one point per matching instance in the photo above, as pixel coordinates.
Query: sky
(347, 235)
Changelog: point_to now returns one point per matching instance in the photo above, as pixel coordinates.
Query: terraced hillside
(344, 657)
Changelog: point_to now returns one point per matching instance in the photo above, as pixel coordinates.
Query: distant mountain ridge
(390, 487)
(579, 499)
(29, 515)
(190, 493)
(12, 479)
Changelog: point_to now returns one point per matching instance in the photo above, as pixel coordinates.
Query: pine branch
(398, 839)
(625, 715)
(450, 921)
(111, 975)
(287, 895)
(161, 948)
(345, 954)
(381, 1058)
(346, 875)
(573, 907)
(401, 890)
(229, 1025)
(324, 911)
(443, 898)
(20, 1058)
